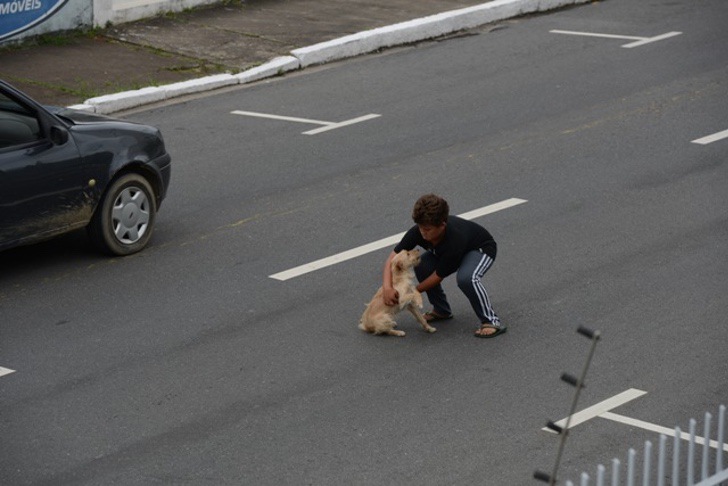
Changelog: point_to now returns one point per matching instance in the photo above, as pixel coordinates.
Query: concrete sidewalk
(160, 58)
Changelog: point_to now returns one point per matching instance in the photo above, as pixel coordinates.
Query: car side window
(18, 125)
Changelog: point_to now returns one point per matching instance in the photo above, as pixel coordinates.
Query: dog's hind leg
(384, 324)
(420, 318)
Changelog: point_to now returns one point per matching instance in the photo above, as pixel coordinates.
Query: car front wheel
(124, 220)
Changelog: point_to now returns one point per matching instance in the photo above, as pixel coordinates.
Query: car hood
(79, 117)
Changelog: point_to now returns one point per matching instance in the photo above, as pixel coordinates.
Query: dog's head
(405, 259)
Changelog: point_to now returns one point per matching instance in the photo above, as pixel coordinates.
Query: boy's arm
(430, 282)
(389, 294)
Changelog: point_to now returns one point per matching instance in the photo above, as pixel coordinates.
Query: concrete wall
(120, 11)
(26, 18)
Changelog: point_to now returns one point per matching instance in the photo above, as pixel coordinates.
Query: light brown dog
(378, 318)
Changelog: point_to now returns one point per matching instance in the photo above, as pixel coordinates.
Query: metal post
(676, 458)
(691, 455)
(661, 461)
(630, 467)
(600, 475)
(584, 479)
(647, 465)
(721, 436)
(594, 336)
(706, 446)
(615, 472)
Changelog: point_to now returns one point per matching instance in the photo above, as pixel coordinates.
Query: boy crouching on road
(453, 245)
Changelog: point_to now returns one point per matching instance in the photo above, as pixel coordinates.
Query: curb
(348, 46)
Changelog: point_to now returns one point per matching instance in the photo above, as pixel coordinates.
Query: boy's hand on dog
(391, 297)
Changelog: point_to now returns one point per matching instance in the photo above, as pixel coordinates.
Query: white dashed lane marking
(712, 138)
(383, 243)
(5, 371)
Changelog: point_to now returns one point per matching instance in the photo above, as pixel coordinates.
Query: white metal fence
(697, 466)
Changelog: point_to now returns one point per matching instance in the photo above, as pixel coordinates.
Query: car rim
(130, 215)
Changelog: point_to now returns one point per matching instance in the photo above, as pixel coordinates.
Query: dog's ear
(397, 265)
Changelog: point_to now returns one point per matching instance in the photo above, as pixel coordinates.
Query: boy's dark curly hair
(430, 209)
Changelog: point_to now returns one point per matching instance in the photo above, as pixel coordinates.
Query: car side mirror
(59, 135)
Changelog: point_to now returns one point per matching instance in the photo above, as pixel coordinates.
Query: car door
(42, 178)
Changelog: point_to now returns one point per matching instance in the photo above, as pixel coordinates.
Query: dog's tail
(363, 317)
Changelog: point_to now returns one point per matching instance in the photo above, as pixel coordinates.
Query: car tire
(124, 219)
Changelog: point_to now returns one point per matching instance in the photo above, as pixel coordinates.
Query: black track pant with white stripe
(469, 279)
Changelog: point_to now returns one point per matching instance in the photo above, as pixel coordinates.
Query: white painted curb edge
(347, 46)
(276, 67)
(423, 28)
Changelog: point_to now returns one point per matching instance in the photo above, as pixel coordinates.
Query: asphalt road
(189, 364)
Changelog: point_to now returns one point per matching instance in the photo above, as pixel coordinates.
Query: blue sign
(17, 16)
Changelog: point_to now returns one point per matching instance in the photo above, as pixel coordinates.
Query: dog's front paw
(431, 329)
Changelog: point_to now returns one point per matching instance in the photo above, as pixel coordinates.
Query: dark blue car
(63, 169)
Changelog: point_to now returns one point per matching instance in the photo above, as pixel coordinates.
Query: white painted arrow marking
(647, 40)
(639, 41)
(326, 125)
(604, 410)
(599, 409)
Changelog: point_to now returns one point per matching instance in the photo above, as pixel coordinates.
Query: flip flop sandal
(498, 330)
(434, 317)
